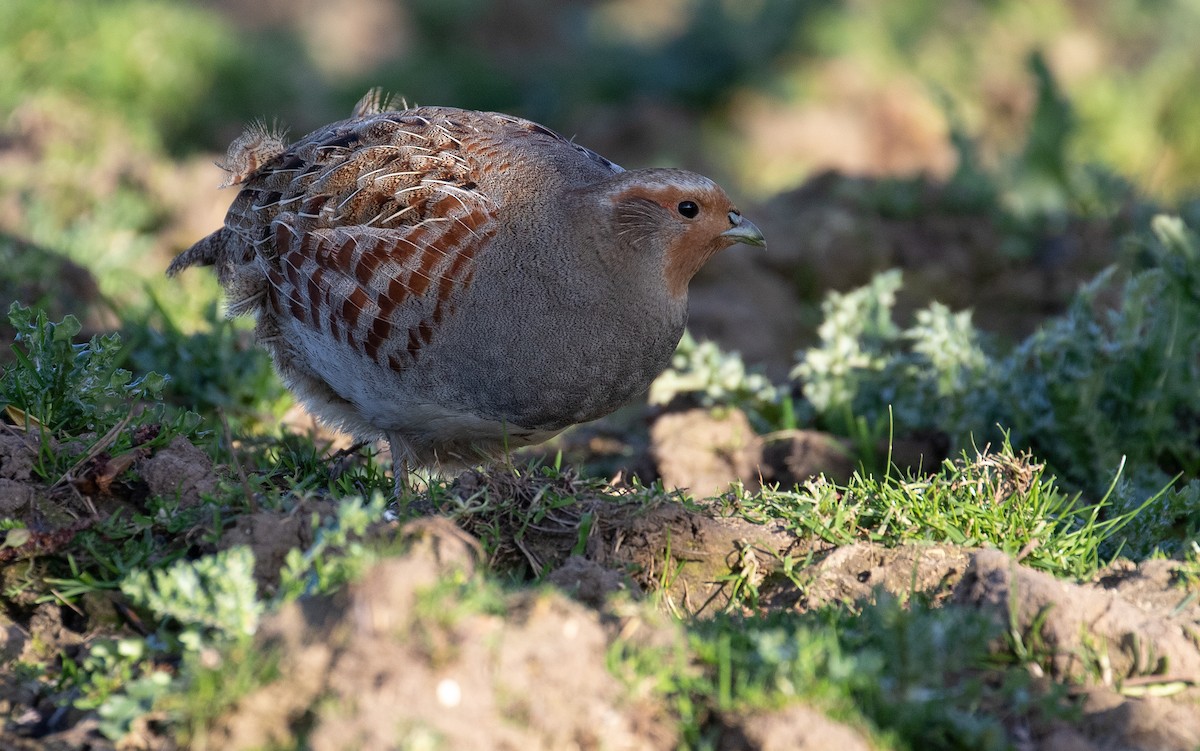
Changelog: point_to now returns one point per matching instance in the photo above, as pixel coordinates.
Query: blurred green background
(112, 111)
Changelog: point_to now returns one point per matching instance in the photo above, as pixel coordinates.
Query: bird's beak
(743, 231)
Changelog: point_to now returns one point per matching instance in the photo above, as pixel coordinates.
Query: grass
(994, 499)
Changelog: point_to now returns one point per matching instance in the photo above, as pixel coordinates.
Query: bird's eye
(688, 209)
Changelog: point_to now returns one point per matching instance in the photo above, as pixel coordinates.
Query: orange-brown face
(689, 214)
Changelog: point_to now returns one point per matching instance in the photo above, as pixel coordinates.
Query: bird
(459, 283)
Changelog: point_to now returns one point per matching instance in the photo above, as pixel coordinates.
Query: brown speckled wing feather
(382, 292)
(365, 230)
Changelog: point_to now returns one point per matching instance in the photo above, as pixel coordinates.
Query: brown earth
(396, 655)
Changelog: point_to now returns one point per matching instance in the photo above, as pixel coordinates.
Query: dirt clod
(17, 454)
(794, 728)
(365, 669)
(853, 572)
(588, 581)
(179, 469)
(14, 495)
(1139, 642)
(705, 450)
(1099, 638)
(798, 455)
(271, 534)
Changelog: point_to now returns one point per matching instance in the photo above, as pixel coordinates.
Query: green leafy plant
(1096, 389)
(338, 553)
(212, 598)
(62, 390)
(1098, 384)
(867, 367)
(66, 386)
(137, 699)
(117, 678)
(702, 372)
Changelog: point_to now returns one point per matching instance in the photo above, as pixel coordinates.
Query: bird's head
(681, 218)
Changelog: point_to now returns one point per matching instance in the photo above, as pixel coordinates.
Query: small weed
(197, 606)
(64, 386)
(914, 673)
(338, 553)
(119, 680)
(76, 399)
(211, 599)
(108, 665)
(700, 371)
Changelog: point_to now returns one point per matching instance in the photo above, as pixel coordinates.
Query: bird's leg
(399, 453)
(400, 476)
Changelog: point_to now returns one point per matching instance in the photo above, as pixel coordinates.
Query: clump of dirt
(179, 470)
(682, 550)
(1147, 634)
(18, 452)
(854, 573)
(272, 533)
(387, 660)
(17, 456)
(793, 728)
(705, 450)
(1117, 642)
(589, 582)
(793, 456)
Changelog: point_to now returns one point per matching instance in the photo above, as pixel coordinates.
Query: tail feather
(204, 253)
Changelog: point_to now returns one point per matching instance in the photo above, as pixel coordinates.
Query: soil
(386, 656)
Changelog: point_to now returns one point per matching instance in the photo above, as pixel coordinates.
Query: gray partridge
(459, 282)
